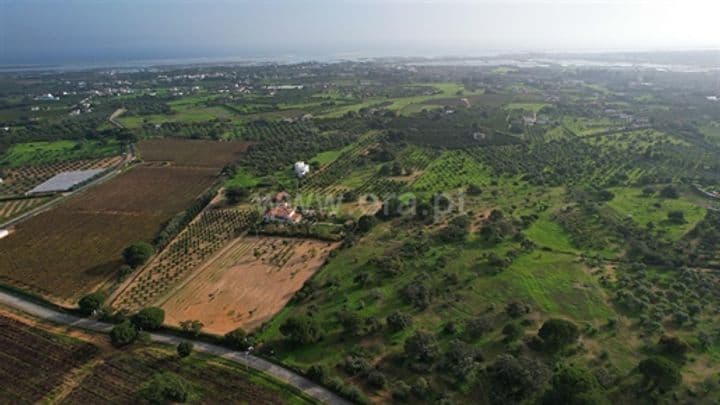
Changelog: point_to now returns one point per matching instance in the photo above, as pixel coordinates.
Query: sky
(67, 31)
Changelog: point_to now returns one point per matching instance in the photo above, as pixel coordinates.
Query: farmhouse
(282, 213)
(301, 169)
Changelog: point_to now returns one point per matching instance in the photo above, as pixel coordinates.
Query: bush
(317, 372)
(150, 318)
(659, 371)
(184, 349)
(669, 192)
(137, 254)
(512, 331)
(421, 347)
(301, 329)
(236, 194)
(572, 385)
(401, 392)
(91, 302)
(123, 334)
(237, 339)
(676, 217)
(166, 387)
(377, 380)
(398, 321)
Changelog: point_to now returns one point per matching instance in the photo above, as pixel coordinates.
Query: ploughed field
(37, 365)
(198, 153)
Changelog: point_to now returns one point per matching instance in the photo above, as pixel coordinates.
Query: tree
(659, 371)
(512, 380)
(511, 331)
(365, 223)
(123, 334)
(237, 339)
(421, 347)
(301, 329)
(150, 318)
(460, 360)
(137, 254)
(91, 302)
(164, 388)
(574, 386)
(398, 321)
(184, 349)
(669, 192)
(676, 217)
(236, 194)
(557, 333)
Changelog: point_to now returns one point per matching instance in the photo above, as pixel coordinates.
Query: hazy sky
(57, 31)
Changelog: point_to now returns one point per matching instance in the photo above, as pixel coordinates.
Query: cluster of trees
(128, 331)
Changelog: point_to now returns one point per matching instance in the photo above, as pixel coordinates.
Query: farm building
(65, 181)
(282, 213)
(281, 197)
(301, 169)
(4, 233)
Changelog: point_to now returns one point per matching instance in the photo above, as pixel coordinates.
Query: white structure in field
(301, 169)
(4, 233)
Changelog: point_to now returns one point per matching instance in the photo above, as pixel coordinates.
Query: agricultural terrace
(40, 366)
(247, 283)
(191, 152)
(81, 239)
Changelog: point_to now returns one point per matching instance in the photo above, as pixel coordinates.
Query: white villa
(301, 169)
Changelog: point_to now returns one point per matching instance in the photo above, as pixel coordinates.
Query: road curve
(288, 377)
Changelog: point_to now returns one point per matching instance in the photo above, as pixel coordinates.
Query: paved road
(280, 373)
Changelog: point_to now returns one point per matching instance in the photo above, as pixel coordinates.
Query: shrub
(512, 331)
(123, 334)
(166, 387)
(398, 321)
(317, 372)
(91, 302)
(301, 329)
(401, 391)
(421, 347)
(377, 379)
(573, 385)
(237, 339)
(184, 349)
(150, 318)
(659, 371)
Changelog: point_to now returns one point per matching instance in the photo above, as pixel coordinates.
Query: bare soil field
(246, 283)
(184, 152)
(68, 251)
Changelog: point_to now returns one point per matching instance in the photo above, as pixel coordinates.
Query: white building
(4, 233)
(301, 169)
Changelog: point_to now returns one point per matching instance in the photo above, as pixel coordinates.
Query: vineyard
(119, 378)
(34, 362)
(13, 208)
(38, 366)
(17, 181)
(248, 283)
(200, 240)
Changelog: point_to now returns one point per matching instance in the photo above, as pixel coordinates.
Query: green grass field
(35, 153)
(631, 203)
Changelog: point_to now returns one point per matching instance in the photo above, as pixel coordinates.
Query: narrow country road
(280, 373)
